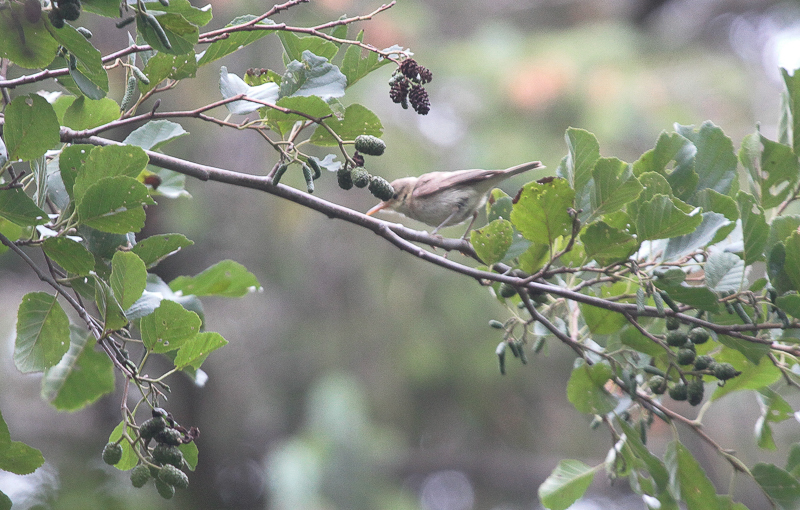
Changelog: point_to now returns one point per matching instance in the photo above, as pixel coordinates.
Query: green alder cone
(165, 490)
(673, 323)
(168, 436)
(657, 384)
(676, 339)
(139, 475)
(344, 178)
(370, 145)
(679, 392)
(506, 290)
(151, 427)
(699, 335)
(112, 453)
(694, 392)
(725, 371)
(380, 188)
(173, 476)
(703, 362)
(168, 454)
(360, 177)
(686, 356)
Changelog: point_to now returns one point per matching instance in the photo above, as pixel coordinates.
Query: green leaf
(199, 16)
(115, 205)
(155, 134)
(182, 35)
(129, 458)
(792, 102)
(772, 168)
(168, 327)
(754, 376)
(669, 147)
(782, 488)
(31, 127)
(234, 41)
(128, 278)
(190, 454)
(613, 185)
(355, 67)
(606, 244)
(70, 161)
(89, 59)
(724, 272)
(789, 303)
(576, 167)
(17, 457)
(84, 85)
(295, 46)
(154, 249)
(12, 231)
(108, 305)
(696, 489)
(694, 296)
(586, 388)
(226, 278)
(312, 76)
(42, 333)
(754, 227)
(28, 45)
(633, 338)
(654, 466)
(793, 459)
(310, 105)
(164, 65)
(715, 161)
(492, 241)
(5, 502)
(660, 218)
(705, 234)
(713, 201)
(566, 484)
(601, 321)
(69, 254)
(86, 113)
(781, 228)
(81, 377)
(20, 209)
(109, 161)
(774, 409)
(792, 262)
(358, 120)
(195, 351)
(541, 212)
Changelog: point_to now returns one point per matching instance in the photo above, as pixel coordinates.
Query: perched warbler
(441, 199)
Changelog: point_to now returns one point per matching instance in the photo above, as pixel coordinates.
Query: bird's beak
(381, 206)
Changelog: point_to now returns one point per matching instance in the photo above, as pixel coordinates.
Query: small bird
(441, 199)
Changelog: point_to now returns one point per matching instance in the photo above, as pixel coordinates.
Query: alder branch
(404, 238)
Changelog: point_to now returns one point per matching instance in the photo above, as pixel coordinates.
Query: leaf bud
(673, 323)
(657, 384)
(496, 324)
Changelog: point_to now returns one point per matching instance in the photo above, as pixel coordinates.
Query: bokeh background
(362, 378)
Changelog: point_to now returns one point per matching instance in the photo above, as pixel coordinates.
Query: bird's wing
(435, 181)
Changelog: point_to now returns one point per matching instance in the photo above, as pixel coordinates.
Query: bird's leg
(469, 227)
(446, 220)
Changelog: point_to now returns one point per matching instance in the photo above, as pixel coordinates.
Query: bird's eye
(395, 196)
